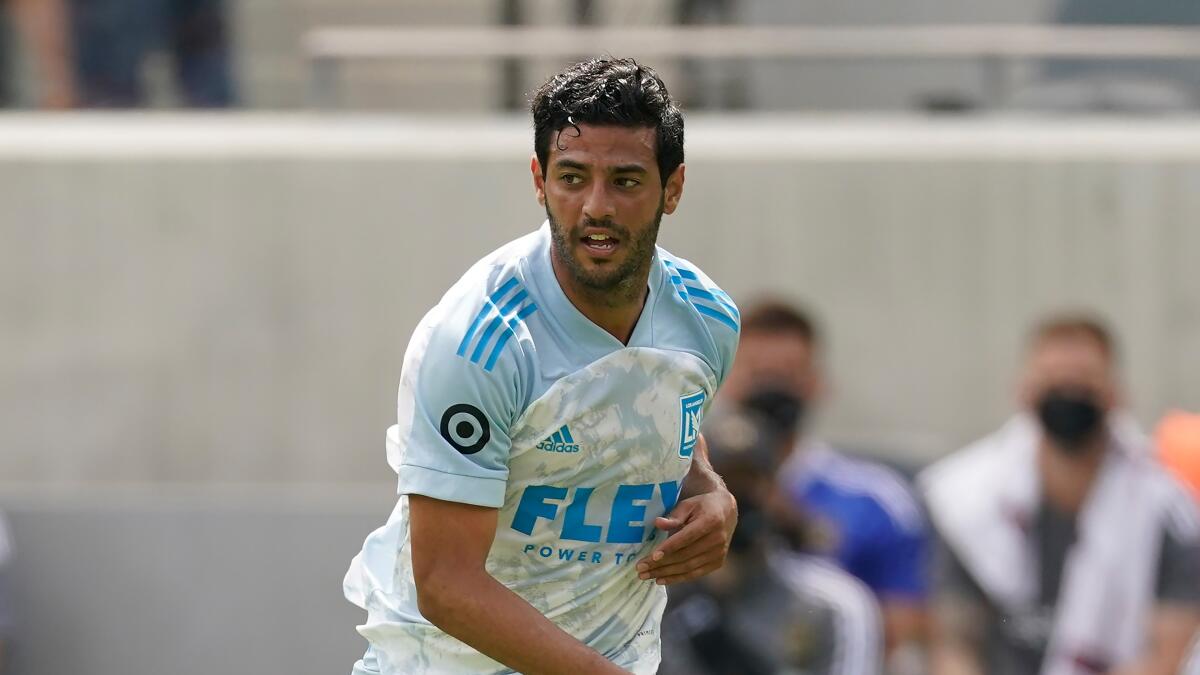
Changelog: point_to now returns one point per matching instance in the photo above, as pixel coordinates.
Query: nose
(598, 204)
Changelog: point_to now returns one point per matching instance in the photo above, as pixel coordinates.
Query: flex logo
(628, 519)
(690, 408)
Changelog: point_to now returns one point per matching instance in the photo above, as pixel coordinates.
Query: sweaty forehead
(604, 145)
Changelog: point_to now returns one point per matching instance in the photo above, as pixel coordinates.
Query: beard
(616, 281)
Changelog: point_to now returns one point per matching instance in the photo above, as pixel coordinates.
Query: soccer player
(552, 477)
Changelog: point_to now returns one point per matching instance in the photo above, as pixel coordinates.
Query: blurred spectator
(6, 617)
(769, 610)
(1125, 85)
(865, 514)
(42, 28)
(711, 83)
(1067, 548)
(113, 39)
(1178, 440)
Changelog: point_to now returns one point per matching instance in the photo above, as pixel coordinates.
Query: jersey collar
(576, 324)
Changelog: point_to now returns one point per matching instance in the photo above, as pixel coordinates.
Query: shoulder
(975, 467)
(710, 312)
(481, 320)
(820, 577)
(886, 492)
(855, 612)
(707, 301)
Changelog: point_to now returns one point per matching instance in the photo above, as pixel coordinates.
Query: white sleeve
(460, 391)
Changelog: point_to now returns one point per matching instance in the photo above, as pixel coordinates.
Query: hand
(700, 530)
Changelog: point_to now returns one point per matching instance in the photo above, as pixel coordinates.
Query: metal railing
(996, 47)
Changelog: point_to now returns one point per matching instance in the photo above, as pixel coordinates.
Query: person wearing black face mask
(863, 514)
(1072, 418)
(769, 610)
(1064, 543)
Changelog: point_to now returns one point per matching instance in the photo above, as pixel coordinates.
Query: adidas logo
(559, 441)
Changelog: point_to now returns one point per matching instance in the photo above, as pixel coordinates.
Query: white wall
(228, 298)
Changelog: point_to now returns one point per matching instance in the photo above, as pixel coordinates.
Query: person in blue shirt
(552, 475)
(860, 513)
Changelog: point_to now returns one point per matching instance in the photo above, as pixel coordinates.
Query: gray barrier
(180, 581)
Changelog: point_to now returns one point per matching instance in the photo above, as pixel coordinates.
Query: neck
(1067, 478)
(616, 310)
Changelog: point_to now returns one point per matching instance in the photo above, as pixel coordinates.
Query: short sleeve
(899, 565)
(717, 309)
(459, 395)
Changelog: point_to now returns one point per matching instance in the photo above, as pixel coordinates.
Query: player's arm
(898, 566)
(701, 526)
(957, 637)
(450, 544)
(1171, 631)
(1176, 614)
(958, 618)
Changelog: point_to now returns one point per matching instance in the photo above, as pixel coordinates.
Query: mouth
(599, 244)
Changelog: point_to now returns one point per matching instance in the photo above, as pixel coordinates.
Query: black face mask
(1071, 418)
(781, 409)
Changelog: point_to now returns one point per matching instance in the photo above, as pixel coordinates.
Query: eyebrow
(569, 164)
(623, 168)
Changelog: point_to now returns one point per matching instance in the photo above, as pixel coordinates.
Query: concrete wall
(228, 299)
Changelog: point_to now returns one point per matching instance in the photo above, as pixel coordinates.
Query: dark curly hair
(608, 91)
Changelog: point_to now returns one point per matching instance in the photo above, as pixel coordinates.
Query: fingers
(703, 563)
(689, 533)
(710, 541)
(668, 523)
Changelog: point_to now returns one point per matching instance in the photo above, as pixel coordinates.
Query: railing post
(325, 90)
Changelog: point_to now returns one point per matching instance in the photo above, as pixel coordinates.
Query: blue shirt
(865, 517)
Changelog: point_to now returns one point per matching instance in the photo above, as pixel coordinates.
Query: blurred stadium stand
(274, 73)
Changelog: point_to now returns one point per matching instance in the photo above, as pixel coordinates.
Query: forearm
(483, 613)
(1171, 632)
(953, 660)
(957, 637)
(701, 478)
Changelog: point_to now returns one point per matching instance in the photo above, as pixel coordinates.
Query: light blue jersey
(511, 398)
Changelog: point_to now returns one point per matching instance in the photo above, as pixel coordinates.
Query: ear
(673, 190)
(539, 181)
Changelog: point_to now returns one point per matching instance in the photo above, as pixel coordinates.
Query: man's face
(783, 359)
(1071, 363)
(604, 198)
